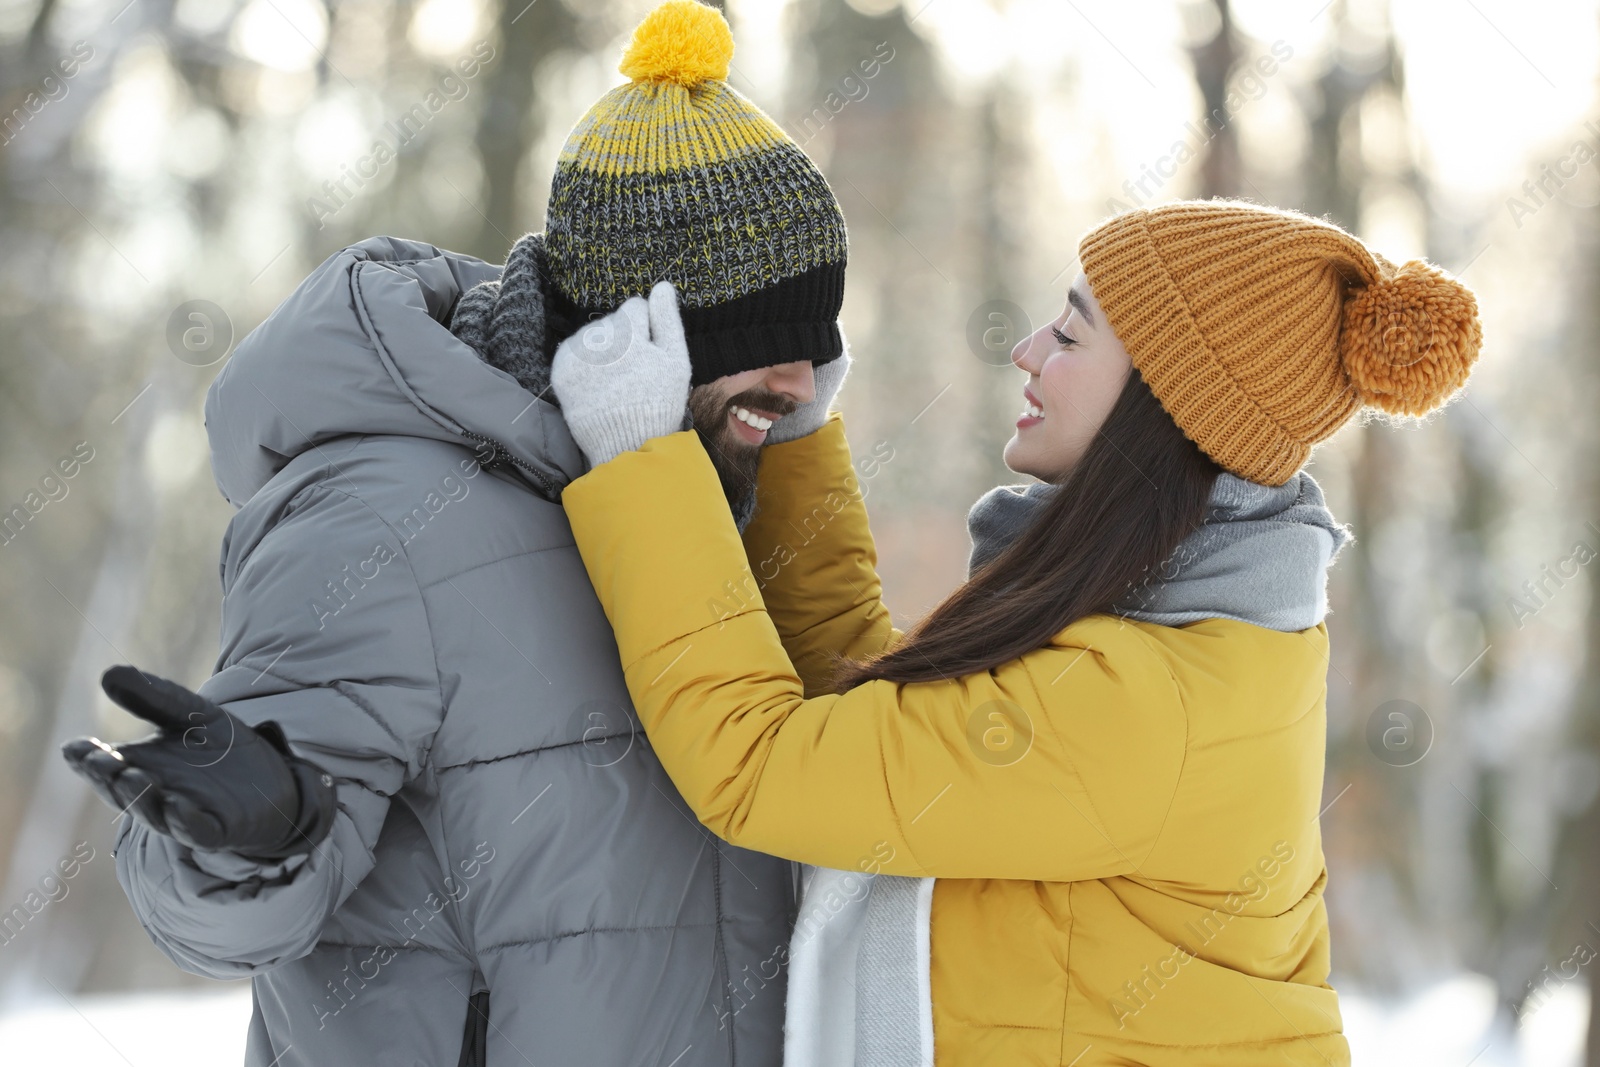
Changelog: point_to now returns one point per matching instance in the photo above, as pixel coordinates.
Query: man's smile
(750, 424)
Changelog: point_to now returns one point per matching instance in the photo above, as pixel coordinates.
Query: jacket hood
(362, 346)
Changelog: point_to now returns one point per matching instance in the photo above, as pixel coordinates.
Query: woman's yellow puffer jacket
(1138, 883)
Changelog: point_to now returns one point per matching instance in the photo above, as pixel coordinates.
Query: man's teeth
(1032, 411)
(751, 419)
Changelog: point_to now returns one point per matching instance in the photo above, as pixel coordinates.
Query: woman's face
(1076, 369)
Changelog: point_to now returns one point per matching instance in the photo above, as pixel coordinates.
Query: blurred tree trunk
(1583, 833)
(77, 615)
(1220, 170)
(50, 949)
(511, 120)
(1367, 667)
(914, 257)
(1578, 851)
(1330, 189)
(1579, 844)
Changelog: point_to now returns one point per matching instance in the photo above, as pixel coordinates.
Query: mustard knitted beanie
(677, 176)
(1262, 331)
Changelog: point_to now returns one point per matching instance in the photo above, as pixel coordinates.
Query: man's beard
(737, 461)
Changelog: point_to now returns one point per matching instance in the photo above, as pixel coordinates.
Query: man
(413, 802)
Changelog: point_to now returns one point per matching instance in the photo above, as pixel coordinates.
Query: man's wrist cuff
(314, 819)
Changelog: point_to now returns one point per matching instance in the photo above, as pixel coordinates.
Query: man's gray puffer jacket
(423, 628)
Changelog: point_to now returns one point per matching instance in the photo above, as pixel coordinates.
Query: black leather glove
(207, 779)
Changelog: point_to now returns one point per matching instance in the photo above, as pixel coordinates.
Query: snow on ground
(1450, 1024)
(171, 1029)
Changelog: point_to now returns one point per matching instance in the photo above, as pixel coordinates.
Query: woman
(1107, 745)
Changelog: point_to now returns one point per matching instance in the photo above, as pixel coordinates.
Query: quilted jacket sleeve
(822, 780)
(813, 557)
(341, 657)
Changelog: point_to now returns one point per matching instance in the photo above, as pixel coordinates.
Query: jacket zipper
(722, 952)
(500, 454)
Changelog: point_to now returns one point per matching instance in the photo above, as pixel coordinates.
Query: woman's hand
(808, 418)
(624, 378)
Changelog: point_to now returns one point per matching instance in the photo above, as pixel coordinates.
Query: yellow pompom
(681, 41)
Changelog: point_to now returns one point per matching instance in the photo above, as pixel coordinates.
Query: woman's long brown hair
(1140, 489)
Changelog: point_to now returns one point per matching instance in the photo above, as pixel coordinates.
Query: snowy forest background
(170, 170)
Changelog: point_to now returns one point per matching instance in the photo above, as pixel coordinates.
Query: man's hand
(808, 418)
(624, 378)
(207, 779)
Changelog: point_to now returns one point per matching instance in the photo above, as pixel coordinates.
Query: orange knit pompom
(1409, 341)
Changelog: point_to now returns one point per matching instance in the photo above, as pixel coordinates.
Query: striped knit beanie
(677, 176)
(1262, 331)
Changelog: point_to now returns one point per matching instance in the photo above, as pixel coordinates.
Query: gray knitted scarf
(512, 327)
(1261, 556)
(504, 319)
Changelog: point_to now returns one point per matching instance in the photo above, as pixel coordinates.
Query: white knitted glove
(808, 418)
(624, 378)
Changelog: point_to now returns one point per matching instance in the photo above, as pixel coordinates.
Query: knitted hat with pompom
(1262, 331)
(677, 176)
(674, 176)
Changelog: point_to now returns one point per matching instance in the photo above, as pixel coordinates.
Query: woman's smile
(1032, 410)
(1081, 366)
